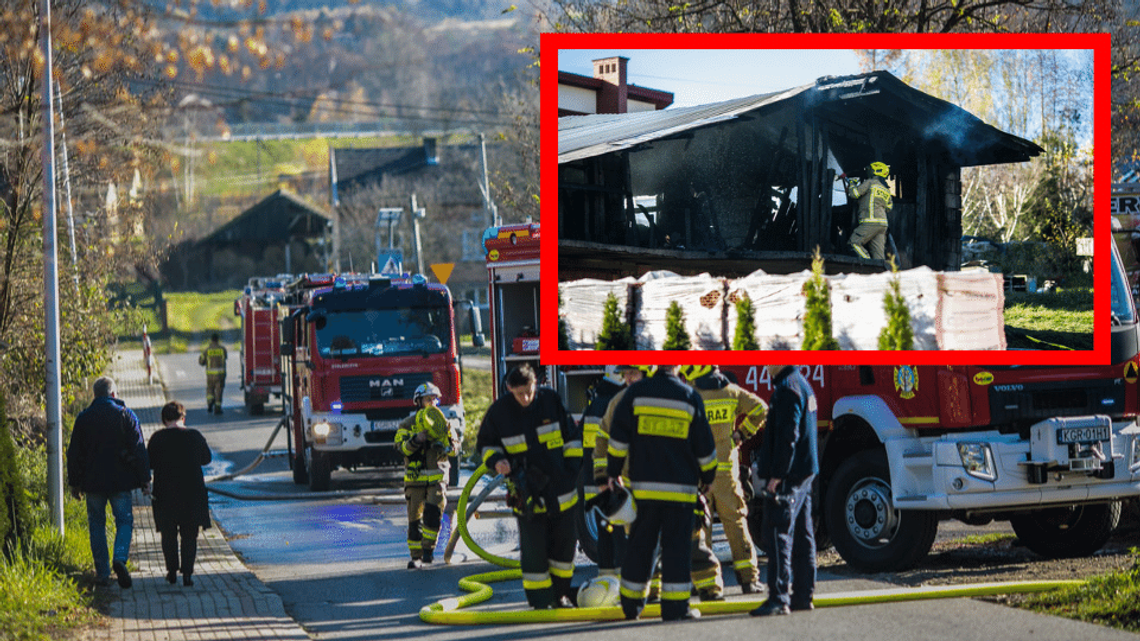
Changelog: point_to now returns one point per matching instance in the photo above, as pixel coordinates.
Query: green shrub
(745, 336)
(615, 333)
(817, 317)
(37, 600)
(676, 336)
(898, 334)
(15, 519)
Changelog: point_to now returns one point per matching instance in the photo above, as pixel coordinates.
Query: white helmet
(613, 375)
(619, 509)
(426, 389)
(600, 592)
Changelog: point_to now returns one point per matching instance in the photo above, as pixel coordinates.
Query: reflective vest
(874, 201)
(214, 357)
(424, 464)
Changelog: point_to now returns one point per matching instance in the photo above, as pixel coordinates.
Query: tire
(300, 469)
(863, 524)
(585, 525)
(320, 471)
(1078, 530)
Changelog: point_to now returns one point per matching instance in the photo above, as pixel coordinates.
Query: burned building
(751, 183)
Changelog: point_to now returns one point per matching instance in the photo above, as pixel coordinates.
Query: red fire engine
(260, 357)
(354, 349)
(1053, 450)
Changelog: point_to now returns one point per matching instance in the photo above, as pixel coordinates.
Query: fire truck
(1051, 450)
(260, 358)
(354, 348)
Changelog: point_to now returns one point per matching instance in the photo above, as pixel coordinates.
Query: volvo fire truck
(1052, 450)
(354, 348)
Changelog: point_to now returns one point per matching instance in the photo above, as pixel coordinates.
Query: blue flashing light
(337, 406)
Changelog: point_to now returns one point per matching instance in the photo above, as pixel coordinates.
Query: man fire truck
(260, 357)
(354, 349)
(1052, 450)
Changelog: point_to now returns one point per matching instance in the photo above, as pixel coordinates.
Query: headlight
(326, 433)
(978, 460)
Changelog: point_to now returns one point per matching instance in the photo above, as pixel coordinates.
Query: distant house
(445, 179)
(606, 92)
(280, 234)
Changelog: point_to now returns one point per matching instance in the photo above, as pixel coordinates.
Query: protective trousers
(671, 522)
(707, 578)
(547, 544)
(215, 383)
(728, 502)
(426, 504)
(869, 240)
(790, 538)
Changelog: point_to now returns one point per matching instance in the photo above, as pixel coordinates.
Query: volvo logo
(1009, 388)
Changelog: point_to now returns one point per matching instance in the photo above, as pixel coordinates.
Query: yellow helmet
(880, 169)
(693, 372)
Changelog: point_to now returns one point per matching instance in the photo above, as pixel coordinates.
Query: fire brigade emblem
(906, 381)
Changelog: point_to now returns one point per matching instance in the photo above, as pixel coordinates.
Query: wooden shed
(751, 183)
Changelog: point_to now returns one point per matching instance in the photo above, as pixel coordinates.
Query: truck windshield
(1123, 312)
(384, 332)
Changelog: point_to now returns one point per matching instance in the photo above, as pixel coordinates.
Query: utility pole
(417, 215)
(485, 186)
(53, 401)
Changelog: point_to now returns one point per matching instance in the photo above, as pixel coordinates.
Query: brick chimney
(613, 97)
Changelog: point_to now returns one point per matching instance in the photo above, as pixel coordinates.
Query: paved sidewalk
(226, 601)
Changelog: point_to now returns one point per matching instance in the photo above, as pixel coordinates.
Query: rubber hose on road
(449, 611)
(257, 461)
(461, 519)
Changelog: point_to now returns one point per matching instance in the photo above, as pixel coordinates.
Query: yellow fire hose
(450, 611)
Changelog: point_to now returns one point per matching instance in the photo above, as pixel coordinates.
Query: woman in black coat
(177, 454)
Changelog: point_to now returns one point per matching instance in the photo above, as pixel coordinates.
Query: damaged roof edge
(582, 137)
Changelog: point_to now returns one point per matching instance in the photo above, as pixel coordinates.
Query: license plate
(1083, 434)
(385, 426)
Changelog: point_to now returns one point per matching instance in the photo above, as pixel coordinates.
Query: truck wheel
(867, 530)
(585, 523)
(1078, 530)
(300, 469)
(320, 471)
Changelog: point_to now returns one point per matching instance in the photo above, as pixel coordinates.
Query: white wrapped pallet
(778, 302)
(583, 306)
(971, 311)
(858, 315)
(702, 299)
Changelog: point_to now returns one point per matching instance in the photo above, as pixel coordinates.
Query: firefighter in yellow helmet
(213, 357)
(427, 442)
(873, 201)
(734, 414)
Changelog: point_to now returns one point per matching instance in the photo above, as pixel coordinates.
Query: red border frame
(1099, 43)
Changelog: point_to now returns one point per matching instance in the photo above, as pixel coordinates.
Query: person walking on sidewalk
(106, 460)
(177, 454)
(426, 441)
(213, 357)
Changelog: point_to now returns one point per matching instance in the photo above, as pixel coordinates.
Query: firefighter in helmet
(873, 202)
(734, 414)
(213, 357)
(426, 441)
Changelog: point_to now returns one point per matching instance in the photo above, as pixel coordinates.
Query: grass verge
(1111, 600)
(1054, 321)
(476, 400)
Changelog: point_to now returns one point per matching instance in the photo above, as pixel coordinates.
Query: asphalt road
(338, 563)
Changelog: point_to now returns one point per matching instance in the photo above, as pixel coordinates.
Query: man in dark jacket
(106, 459)
(528, 437)
(661, 426)
(788, 460)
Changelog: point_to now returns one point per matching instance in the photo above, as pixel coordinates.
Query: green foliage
(15, 520)
(616, 333)
(1058, 320)
(898, 334)
(745, 336)
(476, 400)
(676, 336)
(1111, 599)
(817, 317)
(37, 600)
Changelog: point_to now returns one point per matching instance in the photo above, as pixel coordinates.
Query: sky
(697, 77)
